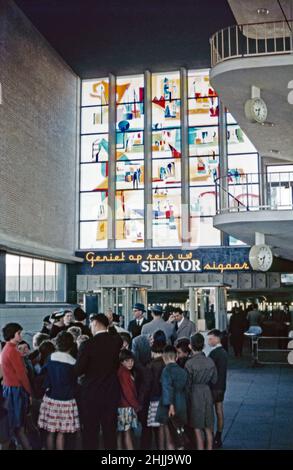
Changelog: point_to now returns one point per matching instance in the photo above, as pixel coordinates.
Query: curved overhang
(273, 75)
(277, 226)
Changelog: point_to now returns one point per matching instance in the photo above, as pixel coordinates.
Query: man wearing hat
(57, 318)
(135, 326)
(98, 362)
(158, 324)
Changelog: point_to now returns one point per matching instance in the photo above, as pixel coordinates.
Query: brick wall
(38, 140)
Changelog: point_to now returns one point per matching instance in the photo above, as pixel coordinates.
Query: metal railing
(274, 350)
(253, 39)
(254, 191)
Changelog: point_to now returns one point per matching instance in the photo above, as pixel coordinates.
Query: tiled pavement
(258, 407)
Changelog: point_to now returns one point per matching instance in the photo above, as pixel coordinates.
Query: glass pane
(94, 176)
(203, 111)
(130, 89)
(199, 84)
(94, 120)
(26, 279)
(129, 233)
(165, 113)
(95, 92)
(130, 116)
(167, 231)
(50, 281)
(166, 143)
(203, 170)
(166, 203)
(93, 235)
(129, 205)
(38, 280)
(166, 85)
(60, 282)
(129, 145)
(129, 175)
(202, 201)
(203, 233)
(240, 164)
(95, 148)
(238, 142)
(203, 140)
(93, 206)
(12, 278)
(166, 173)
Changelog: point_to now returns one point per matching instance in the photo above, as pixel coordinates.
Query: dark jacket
(60, 382)
(173, 381)
(156, 367)
(220, 358)
(98, 362)
(134, 328)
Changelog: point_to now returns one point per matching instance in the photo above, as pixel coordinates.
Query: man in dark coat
(97, 362)
(220, 357)
(135, 326)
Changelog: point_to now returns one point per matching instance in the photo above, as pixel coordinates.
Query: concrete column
(185, 199)
(148, 200)
(2, 276)
(223, 198)
(223, 151)
(112, 162)
(192, 306)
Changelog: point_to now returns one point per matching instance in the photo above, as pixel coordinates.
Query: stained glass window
(94, 158)
(129, 207)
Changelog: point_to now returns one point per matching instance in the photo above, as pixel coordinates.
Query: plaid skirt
(58, 416)
(153, 408)
(127, 419)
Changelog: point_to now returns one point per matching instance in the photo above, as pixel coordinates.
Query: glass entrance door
(208, 307)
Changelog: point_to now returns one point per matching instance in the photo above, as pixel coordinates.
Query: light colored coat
(156, 325)
(185, 330)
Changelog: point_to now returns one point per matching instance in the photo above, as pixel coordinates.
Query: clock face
(261, 257)
(256, 110)
(259, 110)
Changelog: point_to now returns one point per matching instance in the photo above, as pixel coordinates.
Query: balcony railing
(255, 39)
(240, 192)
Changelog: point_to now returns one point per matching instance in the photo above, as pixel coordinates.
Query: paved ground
(258, 407)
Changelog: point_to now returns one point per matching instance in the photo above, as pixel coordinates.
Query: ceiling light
(274, 151)
(263, 11)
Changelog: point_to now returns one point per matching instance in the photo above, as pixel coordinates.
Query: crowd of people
(152, 386)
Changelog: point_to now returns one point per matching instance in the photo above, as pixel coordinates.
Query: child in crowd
(201, 373)
(4, 423)
(183, 351)
(81, 339)
(126, 338)
(156, 367)
(129, 405)
(75, 331)
(58, 412)
(16, 386)
(172, 405)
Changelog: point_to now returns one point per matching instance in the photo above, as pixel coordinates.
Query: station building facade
(115, 187)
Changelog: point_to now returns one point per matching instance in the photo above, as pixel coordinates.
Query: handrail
(251, 39)
(254, 191)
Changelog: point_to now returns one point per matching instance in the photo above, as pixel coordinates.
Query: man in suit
(184, 328)
(135, 326)
(158, 324)
(220, 358)
(98, 362)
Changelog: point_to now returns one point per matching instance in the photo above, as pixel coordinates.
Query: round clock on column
(256, 110)
(261, 257)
